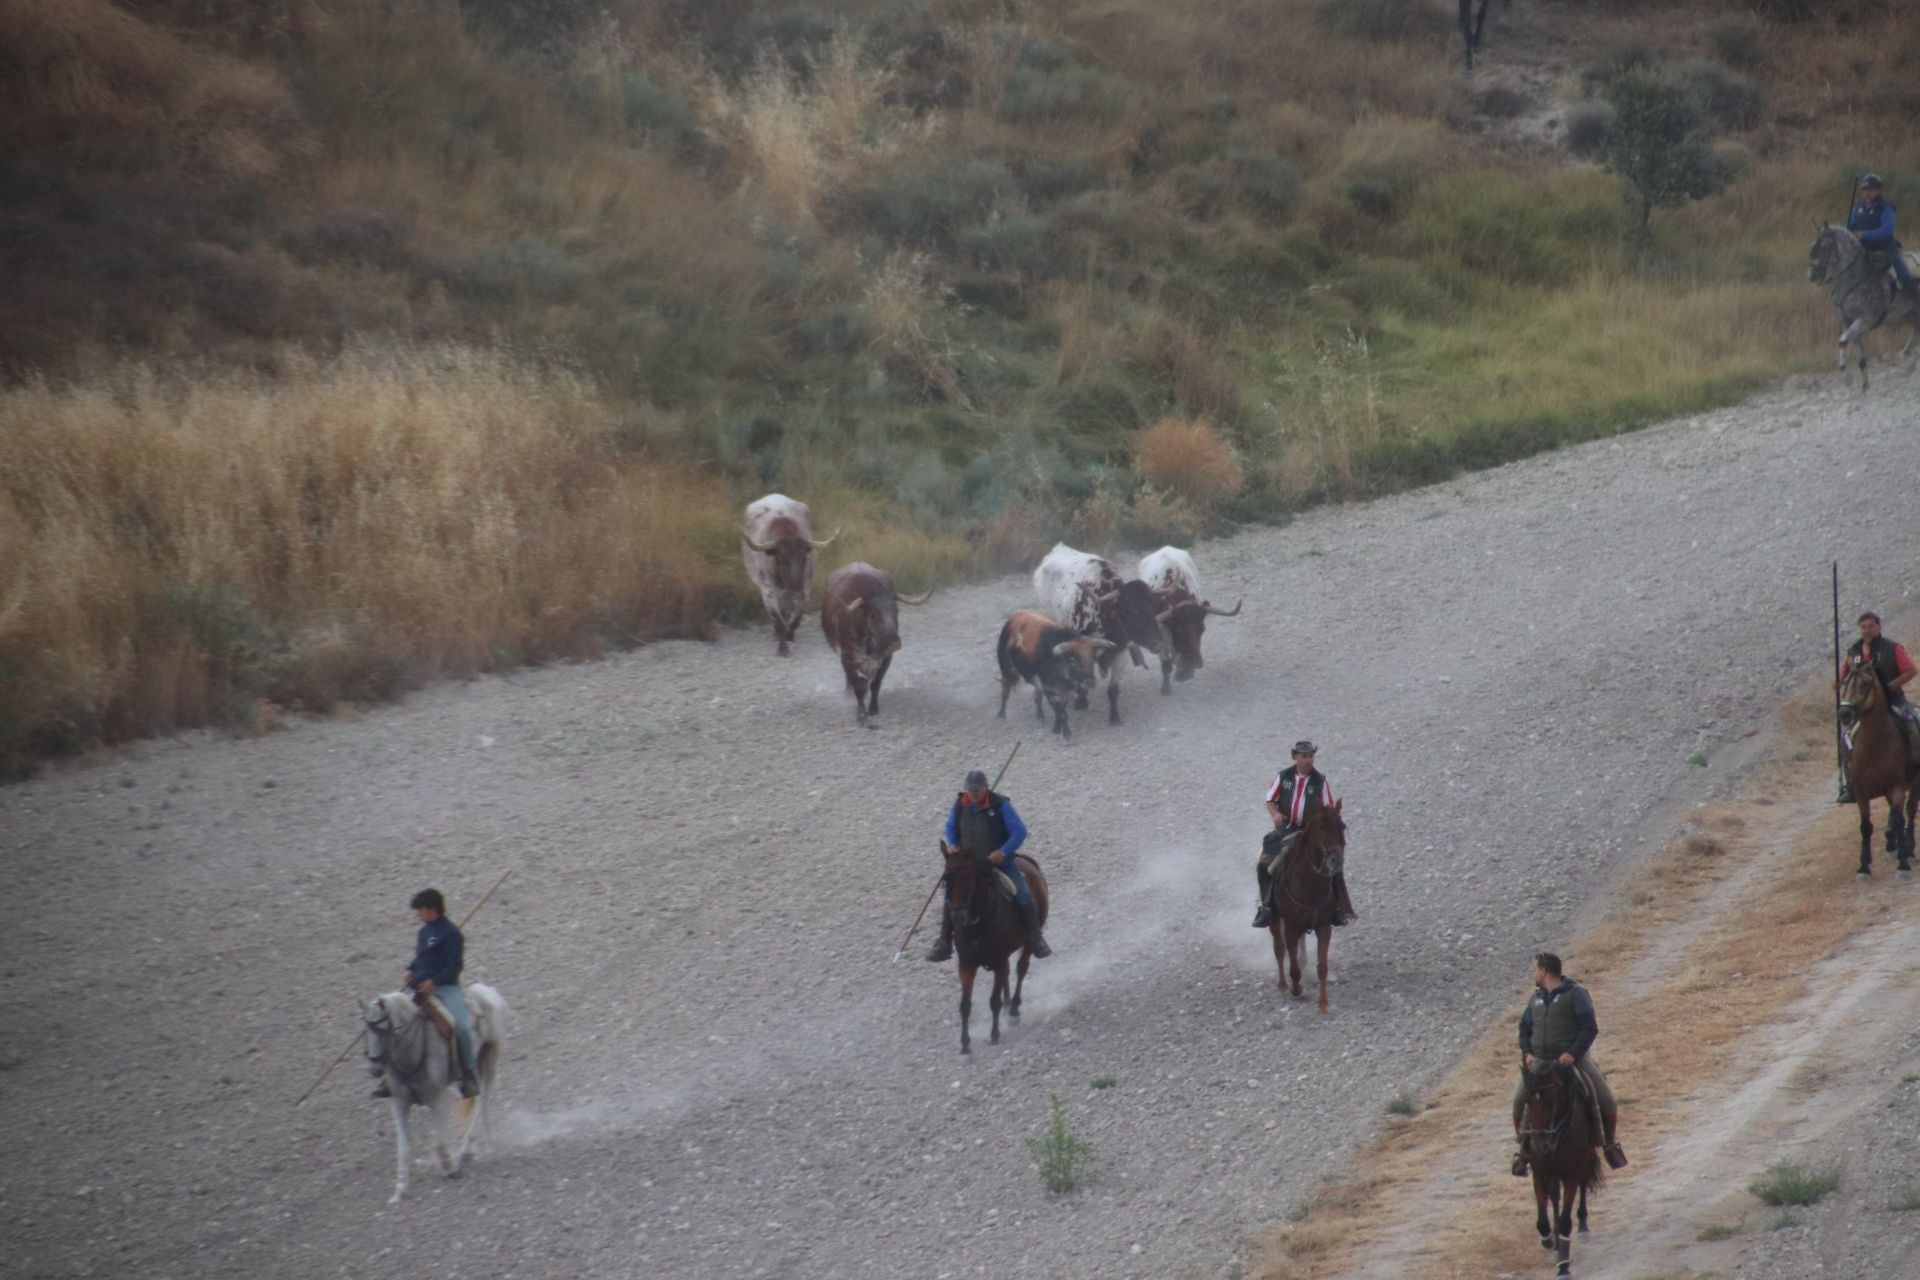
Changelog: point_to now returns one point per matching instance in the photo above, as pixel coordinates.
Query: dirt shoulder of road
(1756, 1004)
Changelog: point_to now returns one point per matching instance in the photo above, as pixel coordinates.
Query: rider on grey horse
(983, 823)
(1298, 792)
(435, 971)
(1872, 221)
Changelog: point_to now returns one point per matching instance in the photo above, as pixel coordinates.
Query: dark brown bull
(1059, 662)
(862, 623)
(1183, 621)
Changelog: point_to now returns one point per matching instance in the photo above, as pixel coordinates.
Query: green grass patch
(1791, 1184)
(1103, 1082)
(1402, 1105)
(1061, 1155)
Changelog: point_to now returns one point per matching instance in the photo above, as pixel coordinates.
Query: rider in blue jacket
(435, 971)
(1872, 221)
(983, 823)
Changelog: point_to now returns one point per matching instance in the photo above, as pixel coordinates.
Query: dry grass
(1189, 457)
(185, 547)
(1753, 954)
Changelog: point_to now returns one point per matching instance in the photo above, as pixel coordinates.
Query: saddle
(436, 1013)
(1589, 1098)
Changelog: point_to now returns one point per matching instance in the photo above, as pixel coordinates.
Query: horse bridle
(1318, 868)
(1563, 1117)
(392, 1038)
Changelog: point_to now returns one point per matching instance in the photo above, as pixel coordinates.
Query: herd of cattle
(1089, 616)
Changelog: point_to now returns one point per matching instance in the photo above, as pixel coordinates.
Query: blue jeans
(1021, 894)
(456, 1005)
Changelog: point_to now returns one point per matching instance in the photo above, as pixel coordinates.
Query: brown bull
(1059, 662)
(862, 623)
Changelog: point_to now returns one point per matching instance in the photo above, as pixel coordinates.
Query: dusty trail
(714, 1070)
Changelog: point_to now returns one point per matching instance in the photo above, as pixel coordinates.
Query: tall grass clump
(1190, 458)
(182, 547)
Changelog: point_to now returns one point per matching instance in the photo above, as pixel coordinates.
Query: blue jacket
(1009, 833)
(436, 954)
(1873, 223)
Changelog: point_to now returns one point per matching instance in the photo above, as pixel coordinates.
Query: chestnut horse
(1301, 896)
(1882, 762)
(1557, 1126)
(987, 929)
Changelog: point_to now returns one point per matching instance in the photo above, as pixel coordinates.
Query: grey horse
(1866, 298)
(417, 1061)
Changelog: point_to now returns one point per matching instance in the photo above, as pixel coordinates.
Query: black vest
(980, 831)
(1881, 659)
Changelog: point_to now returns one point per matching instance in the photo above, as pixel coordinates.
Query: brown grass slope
(969, 276)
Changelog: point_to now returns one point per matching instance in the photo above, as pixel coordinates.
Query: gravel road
(715, 1071)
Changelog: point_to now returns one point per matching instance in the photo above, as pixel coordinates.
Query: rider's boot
(381, 1091)
(1520, 1166)
(1030, 912)
(469, 1082)
(1262, 915)
(942, 949)
(1615, 1153)
(1343, 909)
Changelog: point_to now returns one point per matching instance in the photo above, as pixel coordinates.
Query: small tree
(1062, 1155)
(1660, 143)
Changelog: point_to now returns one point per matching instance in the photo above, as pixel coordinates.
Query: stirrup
(1263, 917)
(469, 1085)
(381, 1091)
(1038, 946)
(1616, 1156)
(940, 952)
(1520, 1166)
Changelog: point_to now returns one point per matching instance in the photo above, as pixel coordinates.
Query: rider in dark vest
(1872, 220)
(983, 823)
(1891, 663)
(1298, 792)
(1559, 1023)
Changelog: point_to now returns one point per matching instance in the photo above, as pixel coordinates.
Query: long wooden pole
(355, 1042)
(911, 929)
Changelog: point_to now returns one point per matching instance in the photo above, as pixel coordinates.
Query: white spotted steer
(776, 541)
(1181, 617)
(1088, 596)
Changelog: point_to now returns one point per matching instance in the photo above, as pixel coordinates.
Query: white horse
(404, 1046)
(1866, 298)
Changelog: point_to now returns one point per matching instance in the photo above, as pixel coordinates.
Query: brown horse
(987, 929)
(1883, 762)
(1557, 1126)
(1301, 897)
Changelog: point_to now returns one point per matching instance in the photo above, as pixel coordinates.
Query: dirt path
(715, 1071)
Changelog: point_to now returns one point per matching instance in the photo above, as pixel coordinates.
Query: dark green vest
(975, 828)
(1555, 1027)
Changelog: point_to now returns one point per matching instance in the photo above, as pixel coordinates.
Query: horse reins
(393, 1038)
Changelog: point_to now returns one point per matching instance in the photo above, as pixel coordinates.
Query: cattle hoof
(871, 722)
(1863, 875)
(1166, 691)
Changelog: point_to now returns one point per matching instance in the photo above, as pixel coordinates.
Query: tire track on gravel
(715, 1072)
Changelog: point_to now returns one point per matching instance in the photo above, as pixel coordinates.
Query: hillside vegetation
(349, 344)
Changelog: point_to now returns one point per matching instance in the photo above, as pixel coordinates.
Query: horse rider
(1298, 792)
(1559, 1025)
(983, 823)
(435, 971)
(1889, 659)
(1872, 221)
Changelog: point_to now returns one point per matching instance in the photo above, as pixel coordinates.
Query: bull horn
(857, 605)
(1226, 613)
(764, 548)
(1101, 646)
(829, 540)
(1107, 597)
(919, 599)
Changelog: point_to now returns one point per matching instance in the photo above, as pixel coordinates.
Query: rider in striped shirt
(1298, 792)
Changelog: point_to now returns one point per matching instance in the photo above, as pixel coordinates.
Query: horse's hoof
(1863, 875)
(1013, 1014)
(1546, 1242)
(1904, 873)
(395, 1197)
(1325, 1009)
(1583, 1234)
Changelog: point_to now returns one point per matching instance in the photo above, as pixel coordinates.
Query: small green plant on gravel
(1104, 1082)
(1717, 1231)
(1401, 1105)
(1909, 1078)
(1788, 1183)
(1063, 1156)
(1782, 1222)
(1906, 1200)
(1697, 758)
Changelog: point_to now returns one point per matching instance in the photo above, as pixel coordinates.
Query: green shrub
(1787, 1183)
(1062, 1155)
(1660, 142)
(1589, 124)
(242, 648)
(1104, 1082)
(1372, 196)
(1735, 38)
(1266, 181)
(657, 116)
(1616, 56)
(1731, 99)
(1021, 242)
(1033, 94)
(1375, 19)
(1402, 1105)
(934, 203)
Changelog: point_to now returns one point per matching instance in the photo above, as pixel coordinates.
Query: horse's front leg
(402, 1156)
(1543, 1225)
(1584, 1233)
(1899, 836)
(966, 1007)
(1278, 930)
(1866, 839)
(996, 998)
(1019, 983)
(1323, 937)
(441, 1109)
